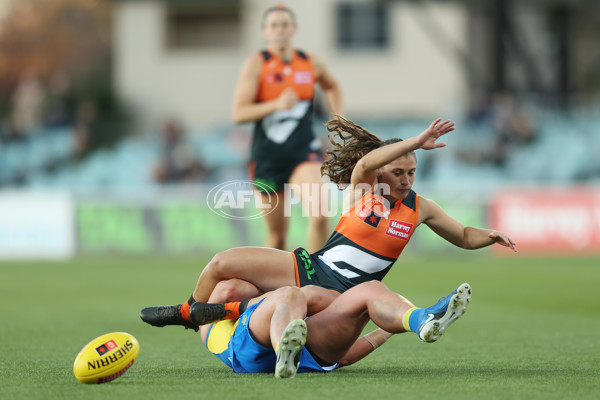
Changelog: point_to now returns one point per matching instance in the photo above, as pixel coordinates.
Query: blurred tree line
(55, 59)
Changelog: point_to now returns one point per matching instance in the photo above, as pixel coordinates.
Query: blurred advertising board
(59, 225)
(36, 225)
(184, 224)
(549, 221)
(171, 226)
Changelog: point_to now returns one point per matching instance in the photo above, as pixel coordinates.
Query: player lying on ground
(275, 334)
(381, 213)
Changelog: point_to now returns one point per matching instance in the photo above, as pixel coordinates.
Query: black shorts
(312, 271)
(271, 175)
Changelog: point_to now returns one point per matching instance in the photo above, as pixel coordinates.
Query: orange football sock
(233, 310)
(184, 310)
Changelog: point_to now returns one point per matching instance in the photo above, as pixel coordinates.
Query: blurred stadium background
(115, 124)
(115, 116)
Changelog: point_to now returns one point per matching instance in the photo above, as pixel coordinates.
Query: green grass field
(531, 332)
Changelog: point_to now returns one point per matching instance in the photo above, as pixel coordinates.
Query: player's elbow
(346, 362)
(362, 167)
(472, 239)
(459, 237)
(237, 116)
(464, 244)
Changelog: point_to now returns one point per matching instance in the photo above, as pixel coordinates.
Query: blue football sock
(415, 319)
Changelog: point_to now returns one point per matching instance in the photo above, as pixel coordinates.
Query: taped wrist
(377, 337)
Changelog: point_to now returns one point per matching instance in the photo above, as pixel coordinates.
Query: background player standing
(275, 90)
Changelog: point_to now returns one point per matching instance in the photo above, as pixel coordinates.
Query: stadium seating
(562, 153)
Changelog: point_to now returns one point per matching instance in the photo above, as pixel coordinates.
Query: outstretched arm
(366, 168)
(453, 231)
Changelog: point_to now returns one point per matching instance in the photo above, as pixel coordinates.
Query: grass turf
(529, 333)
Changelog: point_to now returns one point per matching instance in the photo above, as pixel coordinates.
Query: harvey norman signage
(549, 221)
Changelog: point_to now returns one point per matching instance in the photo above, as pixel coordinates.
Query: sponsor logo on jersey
(399, 229)
(274, 78)
(307, 263)
(303, 77)
(372, 219)
(372, 212)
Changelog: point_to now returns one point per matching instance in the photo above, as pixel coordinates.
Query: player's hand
(287, 99)
(428, 138)
(503, 239)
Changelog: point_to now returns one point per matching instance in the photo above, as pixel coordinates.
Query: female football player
(309, 330)
(275, 90)
(381, 212)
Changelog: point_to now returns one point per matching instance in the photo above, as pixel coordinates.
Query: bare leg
(230, 290)
(265, 268)
(308, 176)
(318, 298)
(275, 312)
(233, 290)
(333, 331)
(262, 268)
(277, 222)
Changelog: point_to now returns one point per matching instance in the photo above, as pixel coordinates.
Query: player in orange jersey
(275, 90)
(381, 212)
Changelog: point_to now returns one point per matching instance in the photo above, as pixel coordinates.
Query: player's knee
(217, 267)
(226, 291)
(291, 294)
(375, 286)
(317, 298)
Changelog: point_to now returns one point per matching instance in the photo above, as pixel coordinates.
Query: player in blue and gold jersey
(310, 329)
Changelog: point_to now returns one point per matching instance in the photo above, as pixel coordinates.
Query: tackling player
(274, 334)
(381, 212)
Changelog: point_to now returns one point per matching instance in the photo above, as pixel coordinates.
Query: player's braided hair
(356, 142)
